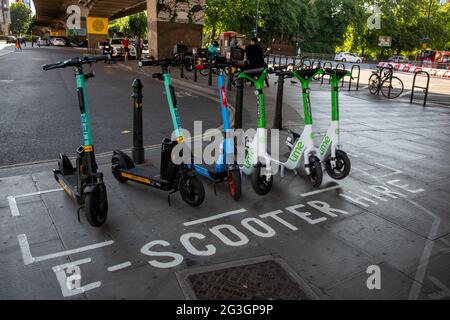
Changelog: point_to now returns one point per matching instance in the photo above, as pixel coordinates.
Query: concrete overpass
(178, 22)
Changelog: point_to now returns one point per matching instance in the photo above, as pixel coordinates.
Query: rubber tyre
(344, 60)
(96, 208)
(374, 81)
(196, 194)
(316, 173)
(261, 184)
(117, 165)
(343, 166)
(396, 89)
(235, 184)
(358, 61)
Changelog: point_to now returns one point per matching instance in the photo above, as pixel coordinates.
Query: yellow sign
(97, 25)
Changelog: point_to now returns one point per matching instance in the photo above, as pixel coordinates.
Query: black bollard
(239, 104)
(138, 140)
(230, 79)
(278, 120)
(210, 76)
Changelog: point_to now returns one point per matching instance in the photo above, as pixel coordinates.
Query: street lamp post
(257, 19)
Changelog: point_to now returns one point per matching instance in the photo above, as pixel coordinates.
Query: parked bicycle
(384, 80)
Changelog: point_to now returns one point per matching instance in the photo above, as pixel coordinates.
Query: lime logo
(324, 146)
(249, 159)
(312, 135)
(298, 150)
(98, 25)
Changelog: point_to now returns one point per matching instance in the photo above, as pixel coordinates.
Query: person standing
(255, 56)
(213, 50)
(126, 45)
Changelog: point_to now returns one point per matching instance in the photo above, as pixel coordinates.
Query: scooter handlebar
(76, 62)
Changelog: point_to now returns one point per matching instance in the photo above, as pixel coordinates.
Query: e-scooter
(170, 177)
(302, 146)
(257, 156)
(223, 171)
(337, 163)
(83, 183)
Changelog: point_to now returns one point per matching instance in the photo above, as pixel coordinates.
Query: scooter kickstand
(168, 197)
(215, 189)
(78, 214)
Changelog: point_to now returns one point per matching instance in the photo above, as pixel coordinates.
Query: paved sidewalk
(391, 212)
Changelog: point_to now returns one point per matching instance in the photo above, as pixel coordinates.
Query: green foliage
(20, 18)
(132, 26)
(326, 26)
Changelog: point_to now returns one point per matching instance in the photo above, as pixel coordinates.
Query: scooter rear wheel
(193, 192)
(262, 184)
(316, 173)
(234, 184)
(96, 207)
(342, 168)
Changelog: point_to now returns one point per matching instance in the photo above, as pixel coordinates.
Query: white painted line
(119, 266)
(13, 206)
(320, 191)
(212, 218)
(28, 258)
(37, 193)
(393, 173)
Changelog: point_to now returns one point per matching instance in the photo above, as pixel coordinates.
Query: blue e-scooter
(226, 168)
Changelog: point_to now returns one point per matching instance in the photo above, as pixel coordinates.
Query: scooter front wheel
(316, 173)
(96, 207)
(193, 192)
(342, 168)
(234, 184)
(262, 184)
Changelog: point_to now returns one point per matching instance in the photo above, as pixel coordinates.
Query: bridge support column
(171, 23)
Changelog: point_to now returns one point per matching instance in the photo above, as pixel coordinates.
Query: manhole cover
(263, 278)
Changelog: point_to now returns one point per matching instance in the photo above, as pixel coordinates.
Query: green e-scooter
(257, 156)
(337, 163)
(83, 183)
(302, 146)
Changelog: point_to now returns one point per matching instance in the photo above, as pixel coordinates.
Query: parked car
(116, 44)
(60, 42)
(102, 43)
(398, 59)
(43, 42)
(348, 57)
(8, 39)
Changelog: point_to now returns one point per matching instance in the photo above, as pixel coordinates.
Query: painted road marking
(212, 218)
(13, 203)
(37, 193)
(393, 173)
(320, 191)
(119, 266)
(29, 259)
(13, 206)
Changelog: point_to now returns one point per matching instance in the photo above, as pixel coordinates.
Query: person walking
(18, 46)
(138, 49)
(213, 50)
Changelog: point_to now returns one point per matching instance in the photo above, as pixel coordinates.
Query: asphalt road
(40, 114)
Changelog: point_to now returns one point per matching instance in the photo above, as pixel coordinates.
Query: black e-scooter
(170, 177)
(83, 183)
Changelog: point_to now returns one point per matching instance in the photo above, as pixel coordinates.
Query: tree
(132, 26)
(20, 18)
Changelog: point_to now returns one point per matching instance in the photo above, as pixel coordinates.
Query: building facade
(5, 17)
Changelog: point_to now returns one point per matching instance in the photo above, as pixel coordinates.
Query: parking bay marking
(216, 217)
(29, 259)
(13, 203)
(119, 266)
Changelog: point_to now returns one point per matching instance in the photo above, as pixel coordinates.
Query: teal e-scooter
(83, 183)
(170, 177)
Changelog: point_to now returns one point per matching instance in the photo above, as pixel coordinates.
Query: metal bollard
(239, 104)
(210, 76)
(278, 120)
(138, 140)
(230, 79)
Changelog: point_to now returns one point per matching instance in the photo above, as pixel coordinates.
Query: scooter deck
(210, 172)
(68, 183)
(147, 175)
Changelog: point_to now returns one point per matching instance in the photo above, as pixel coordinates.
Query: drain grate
(263, 278)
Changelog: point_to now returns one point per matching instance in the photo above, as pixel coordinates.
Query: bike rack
(343, 68)
(418, 87)
(357, 82)
(325, 65)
